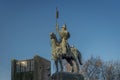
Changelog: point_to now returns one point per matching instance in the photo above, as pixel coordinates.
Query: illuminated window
(25, 66)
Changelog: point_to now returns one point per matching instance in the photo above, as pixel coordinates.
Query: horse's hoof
(81, 63)
(72, 71)
(56, 72)
(61, 71)
(77, 71)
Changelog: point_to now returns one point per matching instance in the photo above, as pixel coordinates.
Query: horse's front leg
(56, 65)
(60, 60)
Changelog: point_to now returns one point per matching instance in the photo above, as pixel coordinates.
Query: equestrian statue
(62, 50)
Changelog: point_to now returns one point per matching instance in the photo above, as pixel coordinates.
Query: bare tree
(112, 70)
(92, 69)
(96, 69)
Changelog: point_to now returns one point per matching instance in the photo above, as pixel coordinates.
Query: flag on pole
(57, 14)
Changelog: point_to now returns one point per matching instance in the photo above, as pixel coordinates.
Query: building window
(25, 66)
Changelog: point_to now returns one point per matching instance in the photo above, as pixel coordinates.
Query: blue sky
(25, 25)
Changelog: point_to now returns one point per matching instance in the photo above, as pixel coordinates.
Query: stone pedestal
(67, 76)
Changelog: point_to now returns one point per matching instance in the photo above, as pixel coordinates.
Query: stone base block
(66, 76)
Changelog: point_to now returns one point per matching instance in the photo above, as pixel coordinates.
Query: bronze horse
(72, 54)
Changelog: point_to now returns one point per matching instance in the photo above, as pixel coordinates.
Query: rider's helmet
(64, 26)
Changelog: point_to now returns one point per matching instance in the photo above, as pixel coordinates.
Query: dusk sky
(25, 25)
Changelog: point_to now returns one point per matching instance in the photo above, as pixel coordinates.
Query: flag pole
(57, 16)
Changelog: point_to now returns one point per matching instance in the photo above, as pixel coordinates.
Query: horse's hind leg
(80, 58)
(71, 64)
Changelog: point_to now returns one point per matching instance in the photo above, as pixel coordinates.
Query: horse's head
(52, 36)
(55, 45)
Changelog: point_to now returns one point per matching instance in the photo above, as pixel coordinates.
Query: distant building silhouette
(37, 68)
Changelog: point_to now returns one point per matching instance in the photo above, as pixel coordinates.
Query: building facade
(37, 68)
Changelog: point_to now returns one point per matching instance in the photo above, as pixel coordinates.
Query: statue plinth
(67, 76)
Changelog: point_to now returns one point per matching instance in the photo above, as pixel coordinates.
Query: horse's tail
(79, 57)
